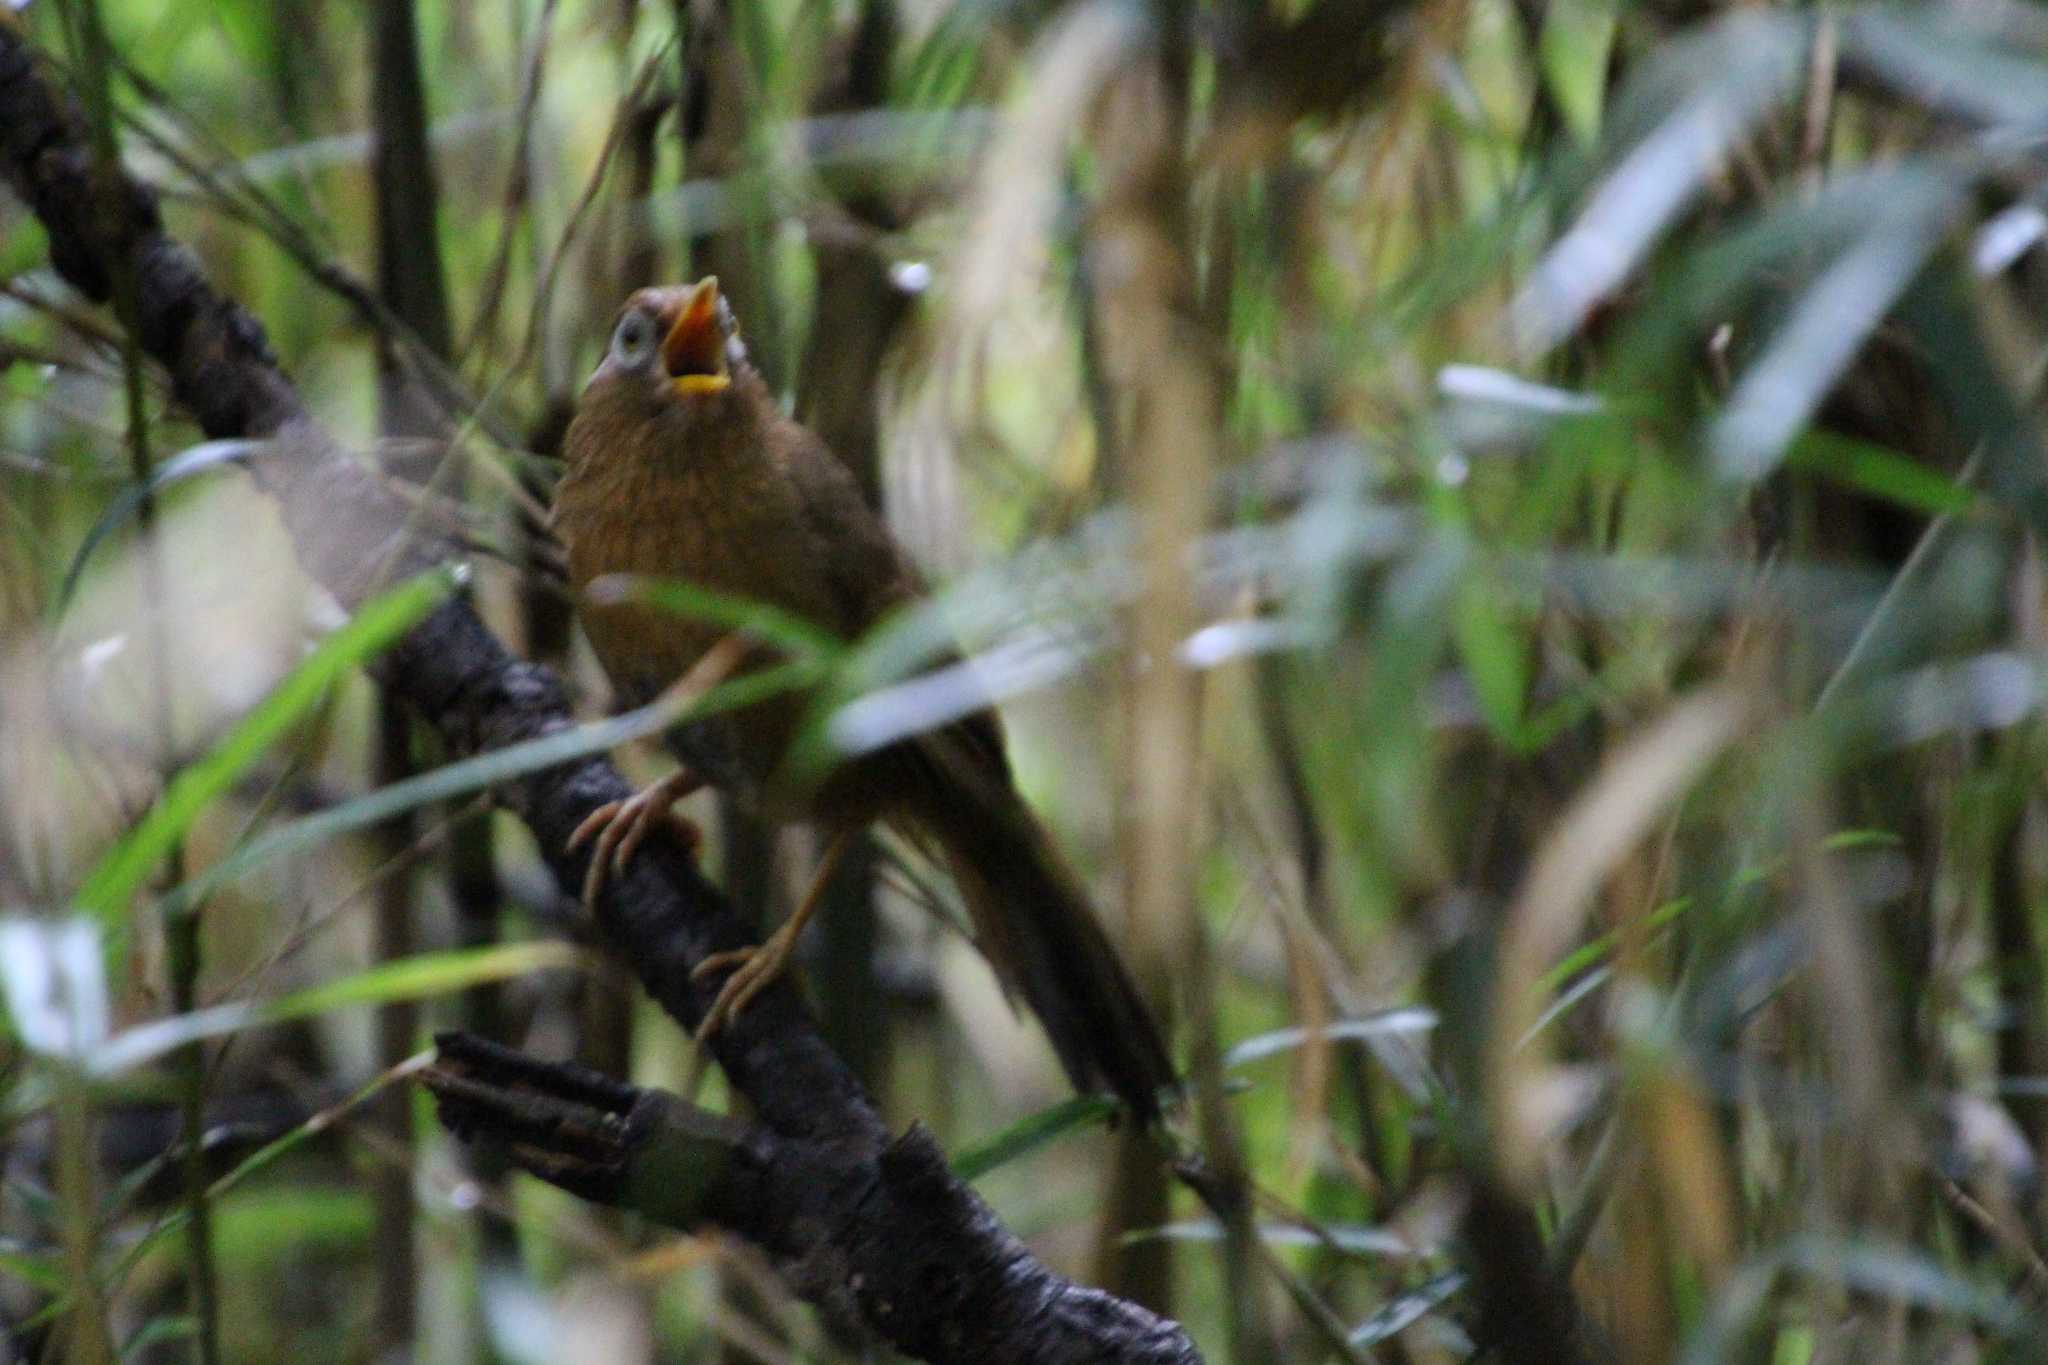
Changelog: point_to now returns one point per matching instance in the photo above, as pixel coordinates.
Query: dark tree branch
(933, 1261)
(351, 535)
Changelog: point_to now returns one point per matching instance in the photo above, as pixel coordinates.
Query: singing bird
(681, 466)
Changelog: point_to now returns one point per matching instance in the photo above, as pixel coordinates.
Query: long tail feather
(1034, 922)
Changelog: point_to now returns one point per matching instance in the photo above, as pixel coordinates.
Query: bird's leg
(754, 968)
(620, 827)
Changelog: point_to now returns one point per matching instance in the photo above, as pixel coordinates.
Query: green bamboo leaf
(1951, 63)
(413, 978)
(250, 27)
(1903, 1274)
(1880, 472)
(1573, 53)
(1584, 956)
(1028, 1134)
(266, 1226)
(1826, 327)
(158, 1331)
(186, 463)
(1843, 839)
(423, 976)
(1350, 1238)
(485, 770)
(1495, 656)
(23, 246)
(1882, 1271)
(1404, 1019)
(801, 638)
(369, 632)
(1405, 1311)
(42, 1272)
(1680, 114)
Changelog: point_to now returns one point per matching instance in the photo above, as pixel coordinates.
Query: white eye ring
(633, 340)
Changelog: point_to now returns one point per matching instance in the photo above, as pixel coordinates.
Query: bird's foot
(753, 971)
(620, 827)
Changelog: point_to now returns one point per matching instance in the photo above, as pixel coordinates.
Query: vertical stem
(78, 1189)
(397, 1026)
(856, 316)
(722, 135)
(1161, 360)
(181, 930)
(690, 114)
(1135, 1191)
(181, 934)
(1142, 277)
(409, 275)
(410, 283)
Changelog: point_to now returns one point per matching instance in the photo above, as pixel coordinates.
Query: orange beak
(694, 349)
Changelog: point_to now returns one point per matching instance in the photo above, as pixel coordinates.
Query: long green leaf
(485, 770)
(1401, 1020)
(127, 865)
(801, 638)
(1030, 1133)
(1349, 1238)
(159, 1331)
(1495, 657)
(42, 1272)
(1404, 1312)
(1881, 472)
(411, 978)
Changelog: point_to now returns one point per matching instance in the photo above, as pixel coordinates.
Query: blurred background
(1508, 534)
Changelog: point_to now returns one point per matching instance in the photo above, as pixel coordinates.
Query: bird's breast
(724, 534)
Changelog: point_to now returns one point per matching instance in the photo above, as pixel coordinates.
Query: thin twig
(622, 120)
(1999, 1230)
(518, 182)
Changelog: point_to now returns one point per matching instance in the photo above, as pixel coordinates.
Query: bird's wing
(869, 574)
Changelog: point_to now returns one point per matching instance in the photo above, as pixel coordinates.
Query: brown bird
(682, 467)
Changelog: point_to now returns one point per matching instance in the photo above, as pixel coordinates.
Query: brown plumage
(681, 466)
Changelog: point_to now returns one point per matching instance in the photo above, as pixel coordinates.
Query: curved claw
(753, 971)
(620, 827)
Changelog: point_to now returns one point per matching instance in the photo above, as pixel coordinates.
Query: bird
(680, 465)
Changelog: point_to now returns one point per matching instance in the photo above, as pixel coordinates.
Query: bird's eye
(633, 342)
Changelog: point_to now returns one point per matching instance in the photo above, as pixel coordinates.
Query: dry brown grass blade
(1622, 805)
(989, 278)
(1019, 184)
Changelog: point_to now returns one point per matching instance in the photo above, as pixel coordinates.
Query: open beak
(694, 349)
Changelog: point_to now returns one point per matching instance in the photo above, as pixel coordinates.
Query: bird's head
(677, 343)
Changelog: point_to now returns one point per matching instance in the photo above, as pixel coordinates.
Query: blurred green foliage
(1614, 624)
